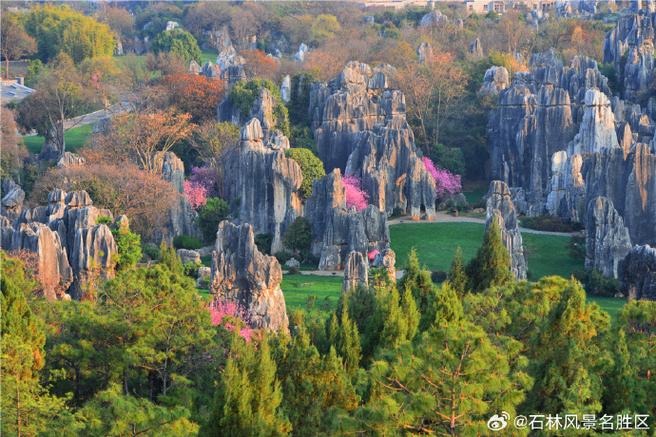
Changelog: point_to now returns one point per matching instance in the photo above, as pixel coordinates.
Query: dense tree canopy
(177, 41)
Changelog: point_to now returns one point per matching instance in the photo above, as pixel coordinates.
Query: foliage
(211, 140)
(597, 284)
(179, 42)
(228, 315)
(60, 28)
(300, 100)
(259, 64)
(138, 136)
(298, 237)
(13, 151)
(491, 266)
(129, 247)
(194, 94)
(450, 158)
(311, 167)
(323, 27)
(263, 243)
(355, 196)
(195, 193)
(16, 43)
(210, 215)
(550, 224)
(446, 183)
(457, 276)
(187, 242)
(244, 94)
(120, 187)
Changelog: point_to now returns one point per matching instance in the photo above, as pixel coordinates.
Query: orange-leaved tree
(258, 64)
(195, 94)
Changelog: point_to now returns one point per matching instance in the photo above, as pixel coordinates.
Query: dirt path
(441, 217)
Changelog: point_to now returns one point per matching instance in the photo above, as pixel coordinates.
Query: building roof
(12, 91)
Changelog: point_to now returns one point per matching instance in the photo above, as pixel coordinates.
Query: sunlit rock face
(73, 249)
(242, 275)
(360, 126)
(501, 210)
(261, 183)
(607, 240)
(338, 230)
(637, 273)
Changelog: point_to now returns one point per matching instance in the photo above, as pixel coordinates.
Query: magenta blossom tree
(355, 197)
(227, 315)
(195, 193)
(205, 177)
(445, 181)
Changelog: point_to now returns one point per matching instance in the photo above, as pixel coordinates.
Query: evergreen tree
(491, 266)
(457, 276)
(345, 337)
(27, 408)
(418, 280)
(568, 357)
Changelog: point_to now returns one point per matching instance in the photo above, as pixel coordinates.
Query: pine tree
(457, 276)
(27, 408)
(418, 280)
(345, 337)
(568, 356)
(491, 266)
(622, 386)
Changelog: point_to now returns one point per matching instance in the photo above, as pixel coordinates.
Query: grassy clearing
(208, 55)
(611, 305)
(75, 138)
(298, 288)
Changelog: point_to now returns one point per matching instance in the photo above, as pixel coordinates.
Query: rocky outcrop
(70, 159)
(386, 259)
(188, 256)
(495, 80)
(286, 89)
(261, 183)
(476, 48)
(597, 129)
(338, 230)
(74, 248)
(539, 115)
(242, 275)
(424, 51)
(356, 272)
(182, 217)
(607, 240)
(434, 18)
(361, 128)
(501, 210)
(637, 273)
(13, 197)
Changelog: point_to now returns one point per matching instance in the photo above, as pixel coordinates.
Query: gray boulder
(242, 275)
(386, 259)
(356, 271)
(501, 210)
(637, 273)
(607, 240)
(338, 230)
(12, 199)
(188, 256)
(293, 264)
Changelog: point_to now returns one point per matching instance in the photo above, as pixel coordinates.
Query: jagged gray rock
(182, 217)
(242, 275)
(356, 271)
(338, 230)
(12, 200)
(188, 256)
(70, 159)
(637, 272)
(386, 259)
(607, 240)
(361, 128)
(73, 250)
(501, 210)
(476, 48)
(262, 184)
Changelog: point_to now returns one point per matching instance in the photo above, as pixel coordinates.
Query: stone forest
(318, 218)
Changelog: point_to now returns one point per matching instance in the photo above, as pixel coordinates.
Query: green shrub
(550, 224)
(283, 256)
(302, 137)
(129, 247)
(263, 243)
(191, 269)
(179, 42)
(210, 215)
(597, 284)
(450, 158)
(244, 94)
(187, 242)
(311, 166)
(298, 237)
(104, 220)
(152, 251)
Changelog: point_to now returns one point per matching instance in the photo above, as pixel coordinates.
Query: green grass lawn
(208, 55)
(75, 138)
(298, 288)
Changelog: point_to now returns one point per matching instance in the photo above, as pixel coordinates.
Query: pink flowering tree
(228, 315)
(446, 182)
(195, 193)
(355, 196)
(206, 177)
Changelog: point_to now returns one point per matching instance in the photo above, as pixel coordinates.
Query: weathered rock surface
(501, 210)
(188, 256)
(241, 274)
(356, 271)
(537, 116)
(182, 217)
(361, 128)
(73, 250)
(262, 184)
(607, 240)
(433, 19)
(70, 159)
(496, 79)
(286, 89)
(386, 259)
(338, 230)
(637, 273)
(476, 48)
(13, 197)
